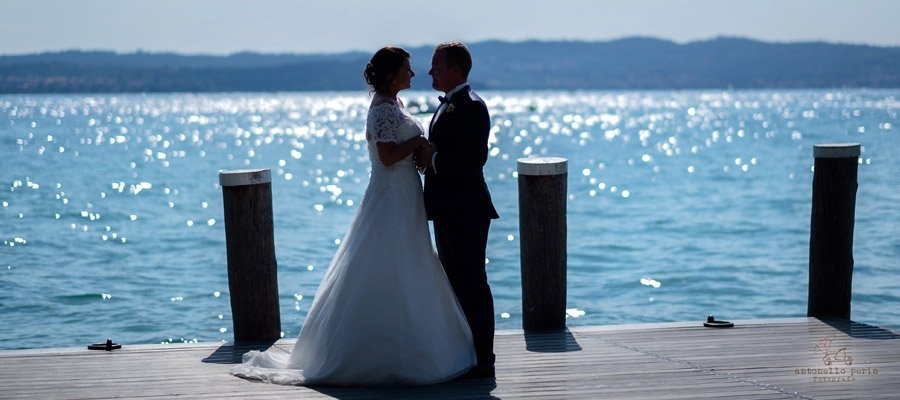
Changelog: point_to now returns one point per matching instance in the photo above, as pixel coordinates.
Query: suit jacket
(460, 132)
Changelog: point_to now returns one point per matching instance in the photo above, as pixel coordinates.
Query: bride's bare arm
(390, 152)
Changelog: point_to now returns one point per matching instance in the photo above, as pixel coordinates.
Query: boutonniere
(450, 108)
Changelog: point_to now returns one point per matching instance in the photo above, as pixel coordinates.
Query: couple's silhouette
(390, 309)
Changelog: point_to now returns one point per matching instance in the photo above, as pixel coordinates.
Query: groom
(457, 199)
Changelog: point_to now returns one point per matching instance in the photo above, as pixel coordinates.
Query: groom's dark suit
(458, 201)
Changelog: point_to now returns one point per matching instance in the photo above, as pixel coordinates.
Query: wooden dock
(756, 359)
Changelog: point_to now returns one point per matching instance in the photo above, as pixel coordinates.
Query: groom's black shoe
(480, 371)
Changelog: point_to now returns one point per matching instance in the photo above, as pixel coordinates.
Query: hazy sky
(302, 26)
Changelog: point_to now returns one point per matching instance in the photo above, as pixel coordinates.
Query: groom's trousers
(461, 245)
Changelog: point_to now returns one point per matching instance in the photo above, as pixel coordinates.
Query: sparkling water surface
(681, 204)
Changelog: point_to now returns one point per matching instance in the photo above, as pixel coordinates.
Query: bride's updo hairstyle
(384, 66)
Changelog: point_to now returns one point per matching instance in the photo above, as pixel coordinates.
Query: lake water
(681, 204)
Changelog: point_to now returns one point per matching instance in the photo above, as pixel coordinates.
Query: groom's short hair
(457, 55)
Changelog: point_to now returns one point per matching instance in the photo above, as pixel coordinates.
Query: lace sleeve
(382, 123)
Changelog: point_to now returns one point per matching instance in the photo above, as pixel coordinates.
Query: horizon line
(469, 43)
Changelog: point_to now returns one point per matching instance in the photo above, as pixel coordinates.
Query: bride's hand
(426, 154)
(390, 152)
(423, 142)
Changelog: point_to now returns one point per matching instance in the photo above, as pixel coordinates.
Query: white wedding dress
(384, 313)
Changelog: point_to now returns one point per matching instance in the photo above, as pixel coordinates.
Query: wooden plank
(753, 360)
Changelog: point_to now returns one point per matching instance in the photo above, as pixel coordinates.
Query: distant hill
(631, 63)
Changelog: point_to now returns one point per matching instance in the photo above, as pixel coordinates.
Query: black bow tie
(442, 99)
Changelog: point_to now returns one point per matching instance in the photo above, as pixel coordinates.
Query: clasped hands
(423, 154)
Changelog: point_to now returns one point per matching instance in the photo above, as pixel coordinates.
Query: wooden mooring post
(831, 230)
(542, 241)
(250, 242)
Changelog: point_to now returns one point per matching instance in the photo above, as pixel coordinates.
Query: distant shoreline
(625, 64)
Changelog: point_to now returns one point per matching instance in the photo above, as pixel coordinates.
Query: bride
(384, 313)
